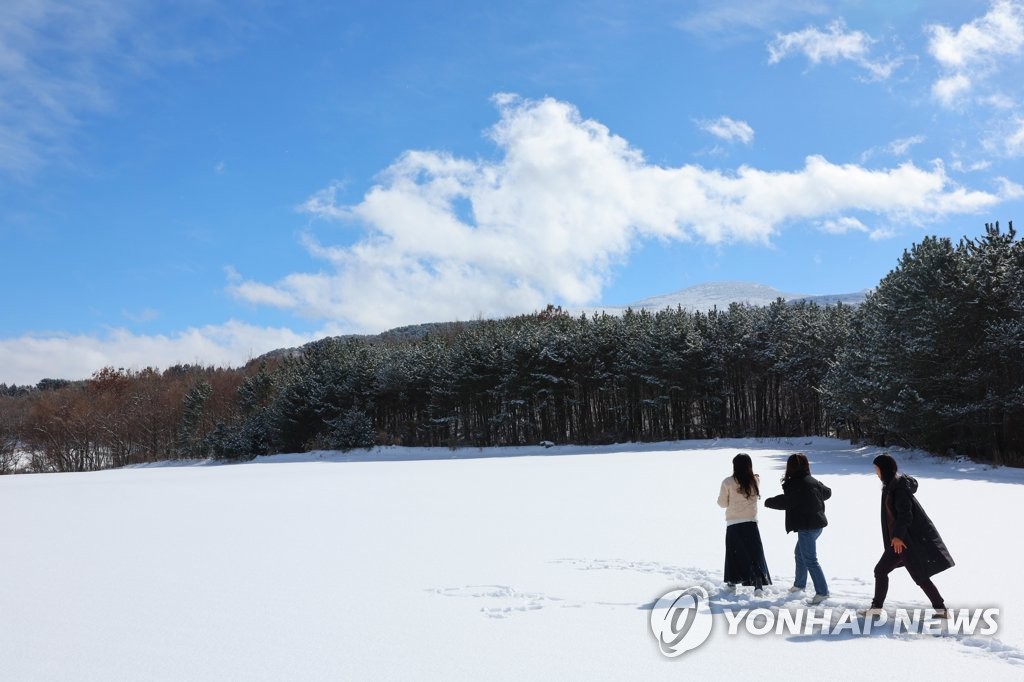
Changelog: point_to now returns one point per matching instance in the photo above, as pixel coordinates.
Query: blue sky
(204, 182)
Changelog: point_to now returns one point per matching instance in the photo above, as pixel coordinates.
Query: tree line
(934, 358)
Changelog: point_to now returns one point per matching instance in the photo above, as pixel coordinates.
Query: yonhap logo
(681, 620)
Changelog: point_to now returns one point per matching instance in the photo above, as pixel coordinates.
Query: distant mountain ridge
(701, 297)
(704, 297)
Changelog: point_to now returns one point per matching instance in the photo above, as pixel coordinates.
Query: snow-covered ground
(528, 563)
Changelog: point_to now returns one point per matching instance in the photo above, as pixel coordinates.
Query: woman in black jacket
(910, 537)
(803, 497)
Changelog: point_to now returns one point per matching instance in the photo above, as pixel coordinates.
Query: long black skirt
(744, 556)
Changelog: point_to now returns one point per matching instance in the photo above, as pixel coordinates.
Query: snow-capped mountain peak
(720, 294)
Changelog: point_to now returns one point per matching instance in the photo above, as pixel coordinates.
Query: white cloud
(898, 147)
(831, 46)
(1015, 140)
(1010, 189)
(975, 50)
(260, 294)
(1005, 138)
(999, 32)
(566, 200)
(959, 166)
(842, 226)
(881, 233)
(729, 130)
(950, 89)
(323, 204)
(27, 359)
(819, 46)
(901, 146)
(998, 100)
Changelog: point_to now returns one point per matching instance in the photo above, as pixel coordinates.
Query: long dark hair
(797, 466)
(887, 465)
(743, 473)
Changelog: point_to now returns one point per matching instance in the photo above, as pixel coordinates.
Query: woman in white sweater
(744, 554)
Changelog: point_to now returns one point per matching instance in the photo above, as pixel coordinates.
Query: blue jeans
(806, 554)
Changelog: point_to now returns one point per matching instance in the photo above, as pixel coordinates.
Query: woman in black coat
(803, 497)
(910, 537)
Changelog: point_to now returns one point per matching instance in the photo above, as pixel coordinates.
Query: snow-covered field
(431, 564)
